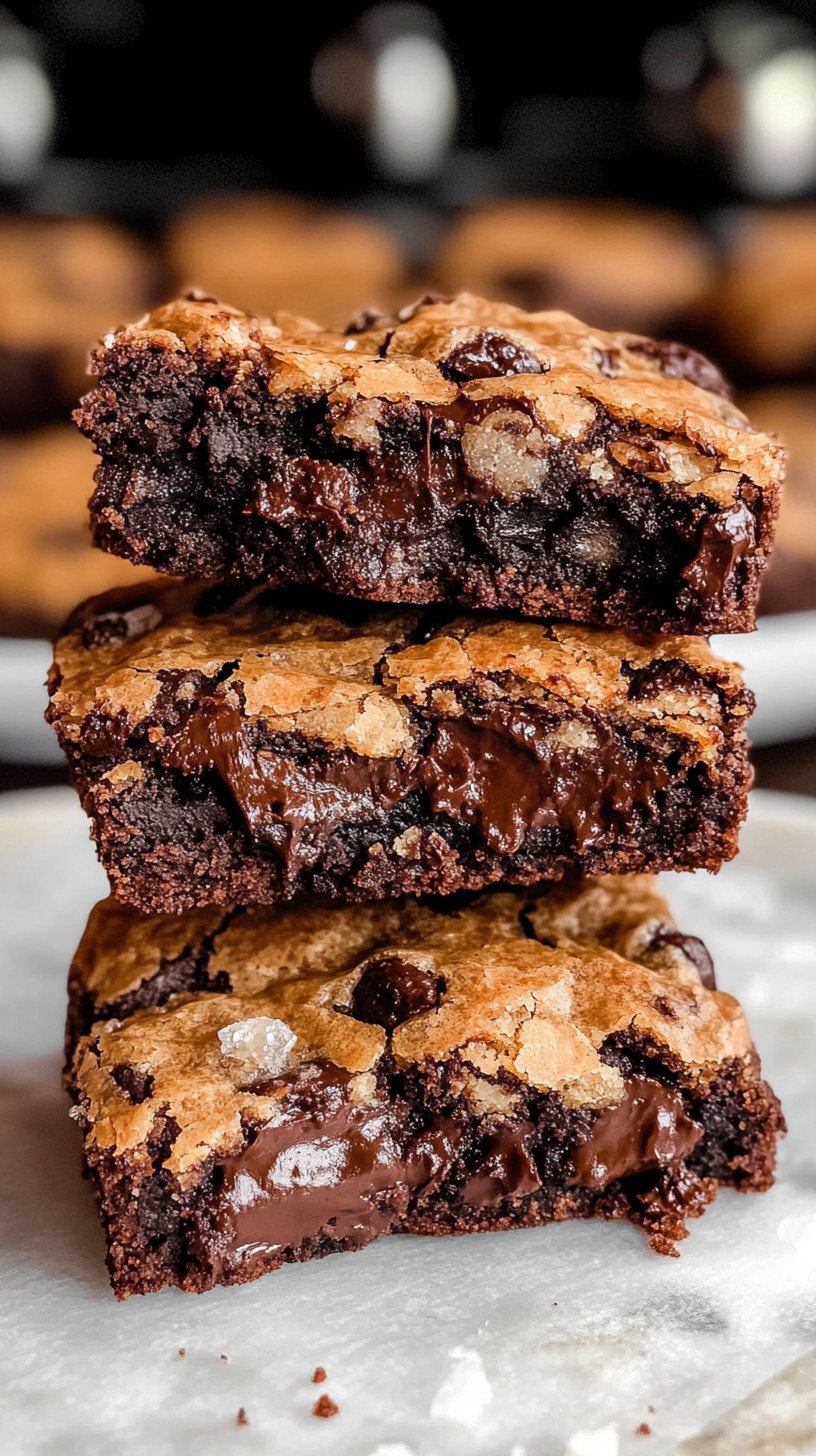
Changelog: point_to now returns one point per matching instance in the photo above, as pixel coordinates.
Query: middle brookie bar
(237, 747)
(257, 1086)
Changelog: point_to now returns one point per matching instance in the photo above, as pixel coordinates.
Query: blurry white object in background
(740, 80)
(415, 107)
(779, 661)
(780, 668)
(25, 737)
(391, 75)
(673, 57)
(27, 110)
(777, 153)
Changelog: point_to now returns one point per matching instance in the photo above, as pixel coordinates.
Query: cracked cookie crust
(327, 1075)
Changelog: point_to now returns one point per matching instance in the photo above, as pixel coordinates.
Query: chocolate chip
(392, 990)
(114, 628)
(694, 950)
(677, 361)
(608, 362)
(426, 301)
(668, 675)
(367, 318)
(489, 356)
(136, 1085)
(664, 1007)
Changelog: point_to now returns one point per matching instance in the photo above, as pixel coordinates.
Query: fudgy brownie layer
(239, 748)
(464, 452)
(455, 1071)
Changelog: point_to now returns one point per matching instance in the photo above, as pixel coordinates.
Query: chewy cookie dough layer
(240, 748)
(464, 452)
(273, 1087)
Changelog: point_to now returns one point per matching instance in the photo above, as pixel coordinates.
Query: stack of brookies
(384, 953)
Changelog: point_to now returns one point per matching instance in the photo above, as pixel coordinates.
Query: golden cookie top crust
(512, 1009)
(121, 950)
(356, 682)
(546, 375)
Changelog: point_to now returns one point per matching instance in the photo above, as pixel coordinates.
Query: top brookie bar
(240, 746)
(464, 452)
(260, 1086)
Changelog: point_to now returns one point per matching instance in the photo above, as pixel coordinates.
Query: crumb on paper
(223, 1357)
(643, 1429)
(319, 1375)
(600, 1442)
(325, 1407)
(242, 1419)
(465, 1392)
(261, 1043)
(182, 1353)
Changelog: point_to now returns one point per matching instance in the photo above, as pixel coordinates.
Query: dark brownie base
(204, 475)
(173, 841)
(159, 1233)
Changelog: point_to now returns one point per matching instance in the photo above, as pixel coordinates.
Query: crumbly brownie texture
(47, 562)
(444, 1071)
(464, 452)
(620, 267)
(127, 962)
(274, 252)
(238, 748)
(63, 281)
(790, 583)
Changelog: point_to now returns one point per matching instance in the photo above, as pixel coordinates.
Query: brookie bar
(239, 748)
(274, 1086)
(464, 452)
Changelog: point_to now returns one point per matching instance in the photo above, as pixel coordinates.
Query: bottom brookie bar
(257, 1087)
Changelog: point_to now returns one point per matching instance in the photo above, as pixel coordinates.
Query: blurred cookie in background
(47, 563)
(789, 584)
(63, 284)
(616, 267)
(267, 253)
(763, 311)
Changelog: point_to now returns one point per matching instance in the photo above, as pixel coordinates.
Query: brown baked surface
(128, 962)
(464, 451)
(618, 267)
(482, 1035)
(47, 561)
(240, 747)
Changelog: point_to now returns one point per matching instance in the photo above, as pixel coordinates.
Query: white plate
(779, 661)
(481, 1346)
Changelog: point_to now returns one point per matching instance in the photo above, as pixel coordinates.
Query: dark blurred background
(135, 106)
(649, 170)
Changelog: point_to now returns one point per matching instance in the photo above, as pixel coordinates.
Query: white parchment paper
(536, 1343)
